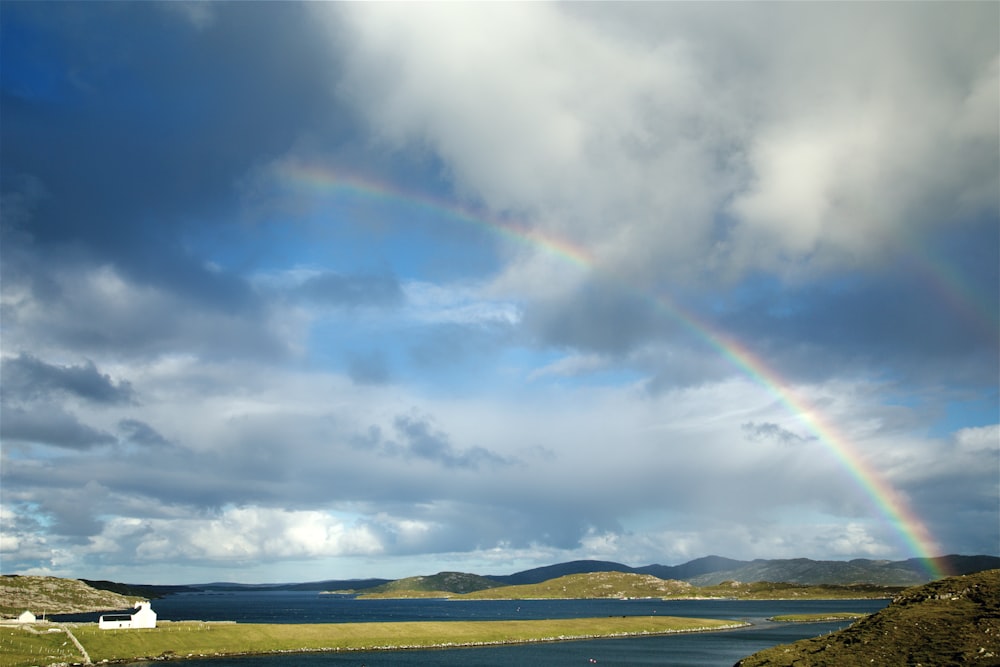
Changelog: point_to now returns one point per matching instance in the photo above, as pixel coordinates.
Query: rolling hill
(442, 582)
(53, 595)
(713, 570)
(948, 622)
(625, 585)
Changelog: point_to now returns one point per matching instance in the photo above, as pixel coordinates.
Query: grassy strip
(819, 618)
(195, 639)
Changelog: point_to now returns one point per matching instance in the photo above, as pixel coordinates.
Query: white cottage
(26, 617)
(144, 617)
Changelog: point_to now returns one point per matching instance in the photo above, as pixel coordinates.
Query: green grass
(195, 639)
(818, 618)
(406, 594)
(19, 647)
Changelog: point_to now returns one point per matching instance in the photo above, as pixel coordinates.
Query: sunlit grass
(20, 647)
(819, 618)
(192, 638)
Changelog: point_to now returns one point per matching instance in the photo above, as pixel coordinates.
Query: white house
(144, 617)
(26, 617)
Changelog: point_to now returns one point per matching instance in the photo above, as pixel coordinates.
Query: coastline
(193, 639)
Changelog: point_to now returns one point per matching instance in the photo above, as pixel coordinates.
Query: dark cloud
(96, 310)
(419, 439)
(26, 377)
(599, 316)
(923, 318)
(141, 433)
(154, 129)
(50, 425)
(768, 431)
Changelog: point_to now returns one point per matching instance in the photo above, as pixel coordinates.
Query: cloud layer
(479, 327)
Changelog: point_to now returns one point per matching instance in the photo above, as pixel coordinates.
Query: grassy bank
(20, 648)
(818, 618)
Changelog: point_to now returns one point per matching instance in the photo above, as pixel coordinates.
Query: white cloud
(823, 128)
(980, 439)
(465, 304)
(240, 534)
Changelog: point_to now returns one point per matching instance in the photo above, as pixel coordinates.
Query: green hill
(589, 585)
(442, 584)
(622, 585)
(858, 571)
(948, 622)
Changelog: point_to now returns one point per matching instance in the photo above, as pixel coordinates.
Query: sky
(294, 292)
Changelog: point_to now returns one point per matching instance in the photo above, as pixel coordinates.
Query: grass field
(19, 648)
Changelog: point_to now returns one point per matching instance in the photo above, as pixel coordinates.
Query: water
(715, 649)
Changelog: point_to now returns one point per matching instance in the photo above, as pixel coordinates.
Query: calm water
(691, 650)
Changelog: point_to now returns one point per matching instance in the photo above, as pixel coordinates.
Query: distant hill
(442, 582)
(948, 622)
(618, 585)
(539, 574)
(691, 569)
(601, 584)
(860, 571)
(148, 591)
(325, 585)
(706, 571)
(712, 570)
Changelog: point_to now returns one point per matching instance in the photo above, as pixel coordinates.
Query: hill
(950, 621)
(442, 582)
(625, 585)
(52, 595)
(325, 585)
(588, 585)
(713, 570)
(145, 591)
(859, 571)
(539, 574)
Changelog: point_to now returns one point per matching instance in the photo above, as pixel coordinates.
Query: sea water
(715, 649)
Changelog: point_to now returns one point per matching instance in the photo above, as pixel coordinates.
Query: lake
(718, 649)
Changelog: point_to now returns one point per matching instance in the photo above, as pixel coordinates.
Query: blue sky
(306, 291)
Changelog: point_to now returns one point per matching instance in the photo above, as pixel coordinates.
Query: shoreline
(443, 645)
(186, 640)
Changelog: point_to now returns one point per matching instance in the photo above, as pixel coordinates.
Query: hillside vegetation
(590, 585)
(621, 585)
(52, 595)
(713, 570)
(442, 584)
(947, 622)
(859, 571)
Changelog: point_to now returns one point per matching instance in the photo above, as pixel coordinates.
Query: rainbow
(322, 180)
(952, 288)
